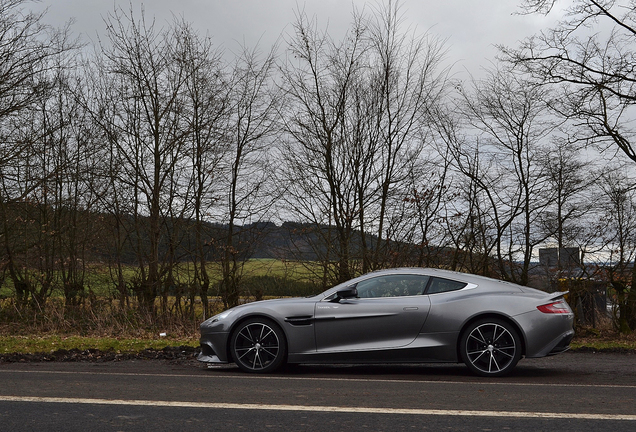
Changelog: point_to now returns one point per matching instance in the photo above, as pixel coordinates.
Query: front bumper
(207, 355)
(213, 348)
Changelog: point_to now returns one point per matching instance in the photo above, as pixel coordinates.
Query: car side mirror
(346, 293)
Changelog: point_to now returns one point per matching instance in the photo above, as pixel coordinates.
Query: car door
(388, 313)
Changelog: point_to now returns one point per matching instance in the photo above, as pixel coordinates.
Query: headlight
(219, 317)
(222, 315)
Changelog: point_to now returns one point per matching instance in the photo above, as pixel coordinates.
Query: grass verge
(588, 339)
(52, 345)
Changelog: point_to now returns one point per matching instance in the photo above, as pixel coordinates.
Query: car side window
(392, 286)
(440, 285)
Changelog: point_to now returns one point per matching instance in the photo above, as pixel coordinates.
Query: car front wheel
(490, 347)
(258, 345)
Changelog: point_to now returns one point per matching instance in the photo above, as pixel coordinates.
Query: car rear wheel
(490, 347)
(258, 345)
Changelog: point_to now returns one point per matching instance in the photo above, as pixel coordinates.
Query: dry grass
(101, 318)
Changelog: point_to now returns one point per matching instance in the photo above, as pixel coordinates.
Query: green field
(99, 279)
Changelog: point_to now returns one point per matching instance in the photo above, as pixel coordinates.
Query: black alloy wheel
(258, 345)
(490, 347)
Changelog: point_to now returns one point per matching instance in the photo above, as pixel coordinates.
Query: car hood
(270, 302)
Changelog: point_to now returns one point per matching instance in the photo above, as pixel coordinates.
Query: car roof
(450, 274)
(427, 271)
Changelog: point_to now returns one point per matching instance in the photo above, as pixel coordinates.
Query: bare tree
(508, 113)
(207, 98)
(115, 199)
(409, 80)
(590, 55)
(26, 48)
(319, 79)
(29, 51)
(474, 222)
(619, 221)
(68, 142)
(252, 125)
(418, 225)
(568, 178)
(361, 108)
(148, 76)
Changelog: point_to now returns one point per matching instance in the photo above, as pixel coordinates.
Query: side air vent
(303, 320)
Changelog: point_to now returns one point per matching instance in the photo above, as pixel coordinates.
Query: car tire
(258, 345)
(490, 347)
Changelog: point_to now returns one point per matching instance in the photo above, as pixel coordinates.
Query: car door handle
(410, 308)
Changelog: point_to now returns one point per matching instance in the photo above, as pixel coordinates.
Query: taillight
(557, 307)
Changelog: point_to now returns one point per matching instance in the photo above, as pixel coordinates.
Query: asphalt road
(573, 391)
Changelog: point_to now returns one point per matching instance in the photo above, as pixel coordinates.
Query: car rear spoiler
(557, 295)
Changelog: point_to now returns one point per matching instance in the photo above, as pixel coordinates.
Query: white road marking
(490, 382)
(330, 409)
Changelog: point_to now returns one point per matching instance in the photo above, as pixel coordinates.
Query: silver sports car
(395, 316)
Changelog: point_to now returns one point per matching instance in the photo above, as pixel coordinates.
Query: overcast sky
(471, 27)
